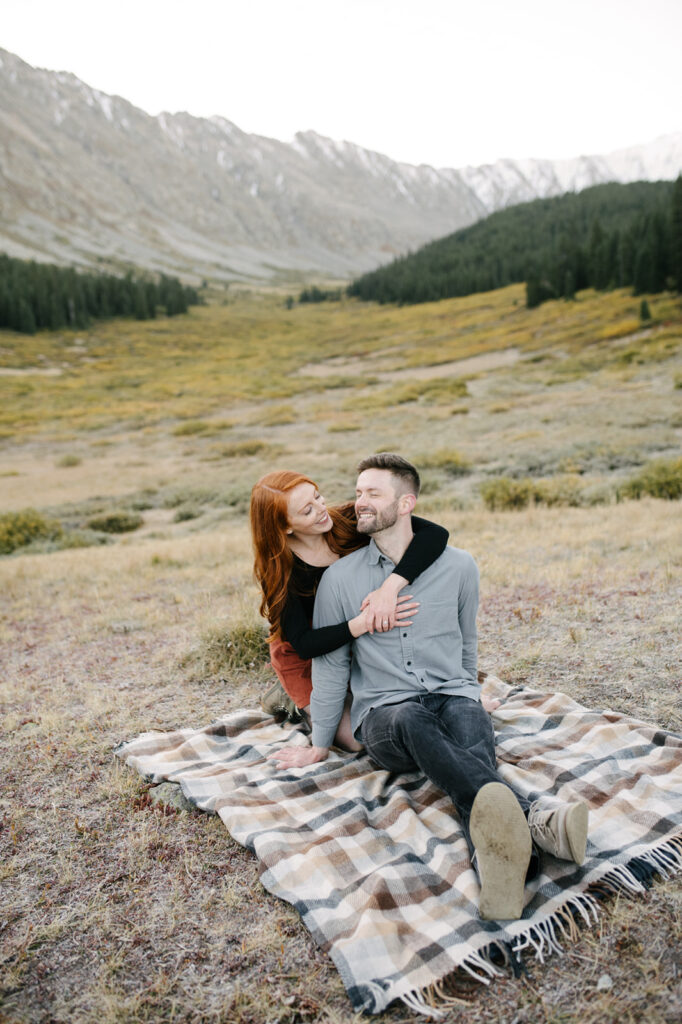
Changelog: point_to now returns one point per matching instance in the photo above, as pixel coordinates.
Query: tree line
(607, 236)
(34, 296)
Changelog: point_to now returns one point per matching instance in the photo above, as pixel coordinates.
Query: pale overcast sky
(443, 82)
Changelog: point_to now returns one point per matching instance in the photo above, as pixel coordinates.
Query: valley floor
(115, 911)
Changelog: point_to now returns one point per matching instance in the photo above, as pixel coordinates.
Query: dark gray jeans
(449, 739)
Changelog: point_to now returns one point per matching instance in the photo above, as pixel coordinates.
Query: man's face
(376, 502)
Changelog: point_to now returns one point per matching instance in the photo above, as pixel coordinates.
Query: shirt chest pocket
(438, 618)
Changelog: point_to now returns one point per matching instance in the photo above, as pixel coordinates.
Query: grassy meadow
(118, 911)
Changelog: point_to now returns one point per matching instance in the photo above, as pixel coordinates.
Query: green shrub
(239, 448)
(343, 428)
(505, 493)
(192, 496)
(442, 389)
(115, 522)
(18, 529)
(182, 515)
(278, 416)
(240, 647)
(558, 491)
(190, 427)
(80, 539)
(67, 461)
(447, 459)
(661, 478)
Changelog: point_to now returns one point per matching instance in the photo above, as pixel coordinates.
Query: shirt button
(404, 634)
(409, 662)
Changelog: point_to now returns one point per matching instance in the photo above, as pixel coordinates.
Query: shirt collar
(374, 556)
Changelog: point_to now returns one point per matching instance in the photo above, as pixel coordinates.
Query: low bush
(80, 539)
(558, 491)
(185, 513)
(278, 416)
(192, 496)
(240, 647)
(447, 459)
(240, 448)
(115, 522)
(441, 389)
(505, 493)
(661, 478)
(343, 428)
(191, 427)
(567, 490)
(18, 529)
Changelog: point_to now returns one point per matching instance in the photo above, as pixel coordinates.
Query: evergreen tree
(569, 285)
(591, 235)
(642, 278)
(36, 295)
(21, 316)
(676, 235)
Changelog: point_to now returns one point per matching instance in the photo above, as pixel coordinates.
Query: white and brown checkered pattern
(376, 864)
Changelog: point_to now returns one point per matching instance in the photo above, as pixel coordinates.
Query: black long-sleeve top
(428, 543)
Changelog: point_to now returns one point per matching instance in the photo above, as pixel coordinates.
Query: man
(416, 696)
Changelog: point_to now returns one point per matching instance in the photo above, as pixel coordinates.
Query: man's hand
(298, 757)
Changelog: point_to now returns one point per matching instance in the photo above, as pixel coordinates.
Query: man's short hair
(404, 472)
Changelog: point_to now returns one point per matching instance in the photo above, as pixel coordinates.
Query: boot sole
(500, 834)
(576, 831)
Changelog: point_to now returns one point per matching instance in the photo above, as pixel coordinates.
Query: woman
(295, 538)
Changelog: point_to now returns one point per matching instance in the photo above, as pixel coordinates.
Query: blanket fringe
(416, 1001)
(546, 938)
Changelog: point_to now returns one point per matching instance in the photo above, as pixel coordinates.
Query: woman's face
(307, 512)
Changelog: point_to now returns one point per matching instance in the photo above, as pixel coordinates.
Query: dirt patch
(31, 371)
(372, 367)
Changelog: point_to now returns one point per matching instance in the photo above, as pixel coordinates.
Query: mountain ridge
(90, 179)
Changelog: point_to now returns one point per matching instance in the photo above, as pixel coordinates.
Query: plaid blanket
(376, 864)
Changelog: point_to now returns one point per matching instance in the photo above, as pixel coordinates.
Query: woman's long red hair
(273, 560)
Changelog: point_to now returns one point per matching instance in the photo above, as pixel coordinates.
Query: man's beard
(379, 521)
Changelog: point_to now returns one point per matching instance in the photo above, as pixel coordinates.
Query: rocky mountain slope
(88, 178)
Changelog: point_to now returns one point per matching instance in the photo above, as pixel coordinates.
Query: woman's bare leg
(344, 734)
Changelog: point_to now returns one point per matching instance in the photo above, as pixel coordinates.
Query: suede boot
(502, 843)
(561, 831)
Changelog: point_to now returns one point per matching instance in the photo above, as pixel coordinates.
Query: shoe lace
(539, 823)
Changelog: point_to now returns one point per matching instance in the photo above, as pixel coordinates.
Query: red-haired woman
(295, 538)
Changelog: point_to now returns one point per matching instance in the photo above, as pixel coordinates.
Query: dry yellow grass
(115, 911)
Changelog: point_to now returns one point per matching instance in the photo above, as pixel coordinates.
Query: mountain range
(89, 179)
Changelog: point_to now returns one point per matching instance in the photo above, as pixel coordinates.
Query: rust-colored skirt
(293, 672)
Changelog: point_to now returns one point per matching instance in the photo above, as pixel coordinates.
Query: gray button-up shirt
(437, 653)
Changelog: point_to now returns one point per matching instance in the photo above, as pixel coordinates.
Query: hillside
(547, 239)
(90, 180)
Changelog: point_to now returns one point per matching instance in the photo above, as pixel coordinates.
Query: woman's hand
(298, 757)
(381, 604)
(383, 609)
(405, 608)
